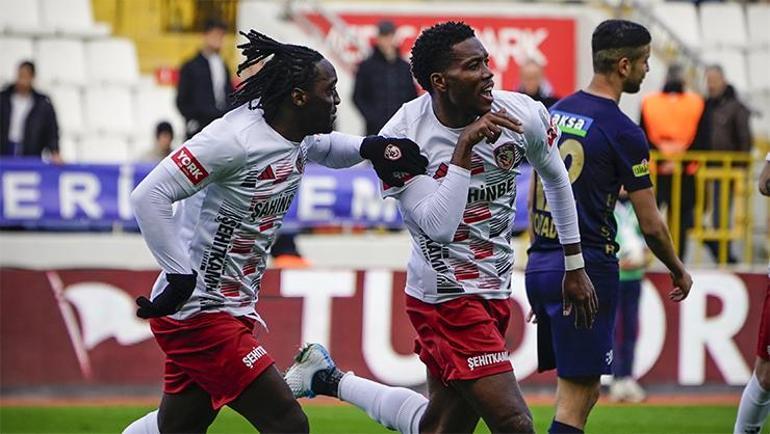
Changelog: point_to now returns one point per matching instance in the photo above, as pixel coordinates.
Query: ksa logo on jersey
(189, 165)
(506, 156)
(571, 123)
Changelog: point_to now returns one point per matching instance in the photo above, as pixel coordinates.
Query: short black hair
(214, 23)
(615, 39)
(28, 64)
(164, 127)
(432, 51)
(289, 67)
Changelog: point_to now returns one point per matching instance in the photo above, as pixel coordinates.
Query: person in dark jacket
(27, 119)
(383, 81)
(204, 89)
(532, 82)
(724, 126)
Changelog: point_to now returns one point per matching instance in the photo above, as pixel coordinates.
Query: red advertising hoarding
(510, 41)
(77, 327)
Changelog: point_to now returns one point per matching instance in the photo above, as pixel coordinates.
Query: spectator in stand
(532, 82)
(164, 135)
(383, 81)
(204, 87)
(28, 124)
(723, 127)
(670, 120)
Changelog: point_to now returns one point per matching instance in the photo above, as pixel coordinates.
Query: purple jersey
(603, 150)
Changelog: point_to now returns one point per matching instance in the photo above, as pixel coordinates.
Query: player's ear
(438, 82)
(624, 67)
(299, 97)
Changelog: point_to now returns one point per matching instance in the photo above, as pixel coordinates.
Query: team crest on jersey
(506, 156)
(392, 152)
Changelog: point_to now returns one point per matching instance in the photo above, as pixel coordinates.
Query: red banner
(78, 327)
(510, 42)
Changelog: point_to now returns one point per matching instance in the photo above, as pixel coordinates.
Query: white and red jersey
(478, 261)
(237, 179)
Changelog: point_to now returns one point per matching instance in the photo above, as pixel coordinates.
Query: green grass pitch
(346, 419)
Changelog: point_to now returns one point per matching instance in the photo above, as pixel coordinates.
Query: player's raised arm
(543, 154)
(438, 208)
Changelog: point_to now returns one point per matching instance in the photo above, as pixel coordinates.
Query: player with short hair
(604, 150)
(234, 182)
(460, 217)
(755, 400)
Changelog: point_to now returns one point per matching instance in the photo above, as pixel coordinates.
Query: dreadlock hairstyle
(290, 67)
(432, 51)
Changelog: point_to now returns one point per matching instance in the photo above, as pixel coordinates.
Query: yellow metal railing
(731, 172)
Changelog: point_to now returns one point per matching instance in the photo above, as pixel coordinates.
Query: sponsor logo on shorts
(608, 357)
(641, 169)
(487, 359)
(255, 354)
(189, 165)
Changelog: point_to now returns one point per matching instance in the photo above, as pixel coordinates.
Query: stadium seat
(61, 61)
(758, 17)
(110, 109)
(733, 62)
(759, 69)
(104, 148)
(21, 18)
(722, 25)
(71, 17)
(68, 102)
(155, 104)
(112, 61)
(682, 19)
(14, 51)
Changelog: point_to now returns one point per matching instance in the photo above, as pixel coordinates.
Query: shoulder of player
(412, 112)
(520, 106)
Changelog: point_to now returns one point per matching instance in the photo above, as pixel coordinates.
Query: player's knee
(515, 423)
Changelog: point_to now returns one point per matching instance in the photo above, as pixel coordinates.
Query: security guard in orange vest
(670, 119)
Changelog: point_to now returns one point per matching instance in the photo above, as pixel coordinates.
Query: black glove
(394, 160)
(180, 287)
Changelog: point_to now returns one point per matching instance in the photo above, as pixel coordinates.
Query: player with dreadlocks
(461, 221)
(235, 181)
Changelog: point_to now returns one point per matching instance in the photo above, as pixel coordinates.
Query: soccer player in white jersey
(755, 401)
(234, 182)
(460, 216)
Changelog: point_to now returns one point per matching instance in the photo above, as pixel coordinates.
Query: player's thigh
(270, 406)
(447, 411)
(188, 411)
(498, 400)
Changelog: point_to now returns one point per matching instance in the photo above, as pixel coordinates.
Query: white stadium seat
(722, 25)
(68, 102)
(99, 148)
(733, 63)
(14, 51)
(759, 69)
(110, 109)
(682, 19)
(758, 17)
(112, 61)
(21, 17)
(155, 104)
(61, 61)
(71, 17)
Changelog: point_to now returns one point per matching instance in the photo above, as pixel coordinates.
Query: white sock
(752, 412)
(147, 424)
(393, 407)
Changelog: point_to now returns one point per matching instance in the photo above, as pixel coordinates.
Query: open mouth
(486, 92)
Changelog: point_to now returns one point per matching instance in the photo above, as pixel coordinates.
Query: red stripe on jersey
(466, 271)
(265, 226)
(476, 213)
(249, 267)
(266, 174)
(441, 171)
(477, 165)
(462, 233)
(191, 168)
(230, 289)
(481, 249)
